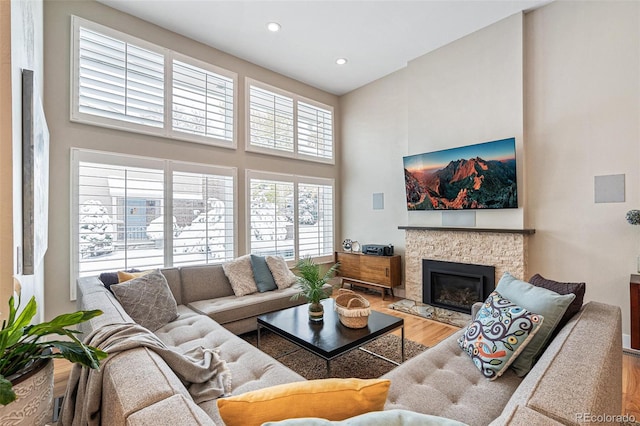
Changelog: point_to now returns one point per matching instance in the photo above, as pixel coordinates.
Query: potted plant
(26, 361)
(311, 284)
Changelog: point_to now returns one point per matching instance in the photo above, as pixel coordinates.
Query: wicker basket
(353, 309)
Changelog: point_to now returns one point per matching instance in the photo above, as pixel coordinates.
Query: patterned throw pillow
(498, 334)
(281, 273)
(148, 300)
(240, 275)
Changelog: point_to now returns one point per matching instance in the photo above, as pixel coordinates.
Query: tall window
(131, 212)
(286, 124)
(123, 82)
(290, 216)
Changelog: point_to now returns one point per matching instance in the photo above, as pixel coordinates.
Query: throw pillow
(387, 418)
(332, 399)
(110, 278)
(498, 334)
(262, 274)
(546, 303)
(562, 288)
(148, 300)
(240, 275)
(124, 276)
(281, 273)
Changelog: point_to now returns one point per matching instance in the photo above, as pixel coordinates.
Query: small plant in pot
(311, 283)
(25, 356)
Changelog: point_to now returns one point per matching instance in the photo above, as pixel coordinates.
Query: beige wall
(579, 118)
(65, 134)
(21, 28)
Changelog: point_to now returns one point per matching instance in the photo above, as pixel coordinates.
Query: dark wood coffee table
(329, 339)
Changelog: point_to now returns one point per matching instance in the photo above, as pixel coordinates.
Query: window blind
(202, 102)
(315, 131)
(270, 119)
(315, 218)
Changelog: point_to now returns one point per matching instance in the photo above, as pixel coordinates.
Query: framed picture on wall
(35, 176)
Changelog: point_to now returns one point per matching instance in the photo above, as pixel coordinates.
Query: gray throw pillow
(148, 300)
(262, 274)
(282, 275)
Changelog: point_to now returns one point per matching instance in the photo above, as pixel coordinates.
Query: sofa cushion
(547, 303)
(262, 274)
(282, 275)
(562, 288)
(498, 334)
(204, 282)
(333, 399)
(175, 284)
(240, 275)
(124, 276)
(441, 381)
(148, 300)
(230, 309)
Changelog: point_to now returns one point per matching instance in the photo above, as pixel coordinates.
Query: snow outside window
(290, 216)
(126, 83)
(285, 124)
(142, 213)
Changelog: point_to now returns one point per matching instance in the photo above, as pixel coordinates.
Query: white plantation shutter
(143, 213)
(290, 216)
(122, 82)
(270, 119)
(203, 208)
(315, 131)
(202, 102)
(271, 227)
(315, 218)
(119, 80)
(286, 124)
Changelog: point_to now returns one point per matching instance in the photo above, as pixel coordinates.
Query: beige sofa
(580, 373)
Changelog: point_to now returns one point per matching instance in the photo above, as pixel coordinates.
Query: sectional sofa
(579, 374)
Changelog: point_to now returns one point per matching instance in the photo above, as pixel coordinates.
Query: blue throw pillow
(541, 301)
(262, 274)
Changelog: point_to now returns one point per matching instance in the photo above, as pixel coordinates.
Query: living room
(562, 79)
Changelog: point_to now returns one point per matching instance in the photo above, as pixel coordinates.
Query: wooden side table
(634, 286)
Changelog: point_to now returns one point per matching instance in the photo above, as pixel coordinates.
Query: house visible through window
(144, 213)
(290, 216)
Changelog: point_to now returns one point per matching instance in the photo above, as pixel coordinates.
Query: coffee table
(329, 339)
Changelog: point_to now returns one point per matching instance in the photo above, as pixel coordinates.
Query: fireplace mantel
(491, 230)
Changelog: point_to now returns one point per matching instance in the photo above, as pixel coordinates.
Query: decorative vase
(34, 396)
(316, 312)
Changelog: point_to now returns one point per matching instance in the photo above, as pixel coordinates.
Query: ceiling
(377, 37)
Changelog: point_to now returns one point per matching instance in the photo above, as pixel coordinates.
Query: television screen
(481, 176)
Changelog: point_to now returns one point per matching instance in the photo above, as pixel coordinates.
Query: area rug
(356, 363)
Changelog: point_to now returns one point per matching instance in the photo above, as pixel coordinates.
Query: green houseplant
(311, 282)
(24, 352)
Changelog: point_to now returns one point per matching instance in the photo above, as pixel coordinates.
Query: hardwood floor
(429, 333)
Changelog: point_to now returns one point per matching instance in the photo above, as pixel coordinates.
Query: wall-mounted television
(481, 176)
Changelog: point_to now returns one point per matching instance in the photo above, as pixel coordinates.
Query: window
(286, 124)
(123, 82)
(290, 216)
(131, 212)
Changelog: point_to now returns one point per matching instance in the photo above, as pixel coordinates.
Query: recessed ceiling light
(341, 61)
(274, 27)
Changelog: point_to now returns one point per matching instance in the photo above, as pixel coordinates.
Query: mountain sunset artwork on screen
(481, 176)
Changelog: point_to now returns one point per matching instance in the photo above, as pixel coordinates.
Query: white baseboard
(626, 341)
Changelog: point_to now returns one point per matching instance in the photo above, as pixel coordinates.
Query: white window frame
(296, 180)
(296, 98)
(166, 131)
(168, 167)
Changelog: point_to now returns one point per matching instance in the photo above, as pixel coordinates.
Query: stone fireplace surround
(505, 249)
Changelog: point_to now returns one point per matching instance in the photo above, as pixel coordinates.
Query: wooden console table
(377, 272)
(635, 310)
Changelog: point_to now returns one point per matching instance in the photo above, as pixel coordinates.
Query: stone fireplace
(455, 286)
(504, 250)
